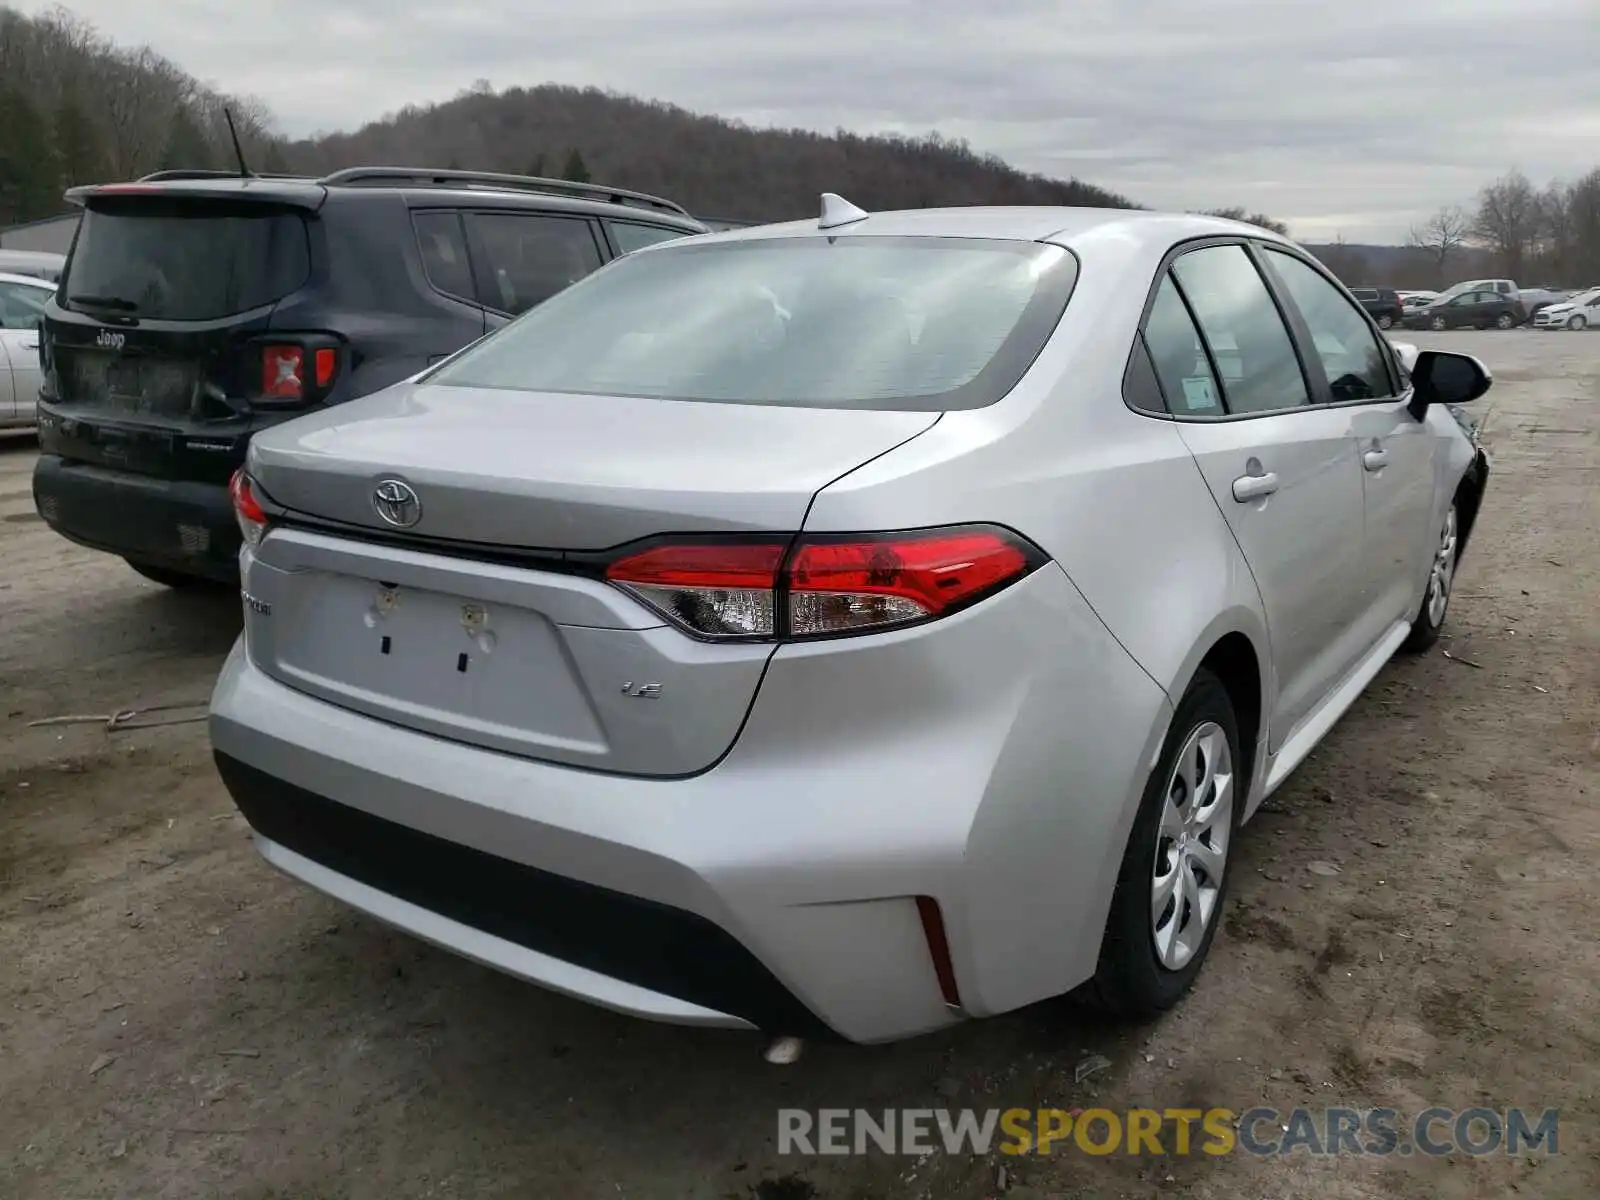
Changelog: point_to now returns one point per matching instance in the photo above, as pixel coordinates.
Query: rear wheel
(1386, 322)
(169, 578)
(1504, 321)
(1577, 322)
(1174, 874)
(1441, 580)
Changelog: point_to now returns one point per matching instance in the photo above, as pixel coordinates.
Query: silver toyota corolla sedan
(844, 627)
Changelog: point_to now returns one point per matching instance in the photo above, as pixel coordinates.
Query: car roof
(1070, 227)
(306, 192)
(34, 280)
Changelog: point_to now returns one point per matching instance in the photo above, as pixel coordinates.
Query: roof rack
(200, 173)
(527, 183)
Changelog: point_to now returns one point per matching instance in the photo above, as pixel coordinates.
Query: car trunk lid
(486, 621)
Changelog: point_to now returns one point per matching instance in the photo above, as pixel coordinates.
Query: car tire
(1146, 965)
(1504, 321)
(1577, 322)
(1435, 608)
(1438, 323)
(166, 577)
(1386, 322)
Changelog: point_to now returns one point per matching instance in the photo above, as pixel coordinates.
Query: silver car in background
(22, 300)
(845, 627)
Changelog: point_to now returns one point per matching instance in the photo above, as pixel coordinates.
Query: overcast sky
(1347, 116)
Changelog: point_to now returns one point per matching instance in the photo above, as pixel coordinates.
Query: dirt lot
(178, 1020)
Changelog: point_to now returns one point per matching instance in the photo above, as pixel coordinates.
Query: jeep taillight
(296, 371)
(822, 585)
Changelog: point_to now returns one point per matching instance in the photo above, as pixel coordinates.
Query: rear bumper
(180, 525)
(778, 889)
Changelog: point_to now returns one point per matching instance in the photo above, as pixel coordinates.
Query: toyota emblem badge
(397, 504)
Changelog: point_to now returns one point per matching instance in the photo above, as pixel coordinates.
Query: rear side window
(186, 261)
(1179, 357)
(524, 259)
(443, 244)
(925, 324)
(21, 306)
(630, 237)
(1248, 340)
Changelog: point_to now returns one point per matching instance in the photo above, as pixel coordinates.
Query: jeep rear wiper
(116, 302)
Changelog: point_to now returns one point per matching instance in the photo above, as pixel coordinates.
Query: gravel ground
(178, 1020)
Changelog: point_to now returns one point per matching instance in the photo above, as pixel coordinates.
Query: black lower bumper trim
(182, 525)
(651, 945)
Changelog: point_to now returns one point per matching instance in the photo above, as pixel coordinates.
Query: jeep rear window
(176, 261)
(919, 323)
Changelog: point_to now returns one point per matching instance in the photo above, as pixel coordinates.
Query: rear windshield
(186, 262)
(860, 322)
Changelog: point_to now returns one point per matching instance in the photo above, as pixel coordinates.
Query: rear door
(1284, 472)
(522, 258)
(155, 336)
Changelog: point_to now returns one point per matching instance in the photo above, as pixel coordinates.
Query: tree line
(1530, 234)
(76, 108)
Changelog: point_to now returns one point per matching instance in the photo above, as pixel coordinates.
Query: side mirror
(1440, 377)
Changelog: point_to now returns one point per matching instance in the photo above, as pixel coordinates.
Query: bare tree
(1507, 220)
(1440, 236)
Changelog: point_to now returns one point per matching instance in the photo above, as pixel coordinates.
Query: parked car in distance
(36, 264)
(199, 308)
(22, 301)
(1469, 310)
(1580, 311)
(1383, 304)
(1413, 300)
(1504, 287)
(1534, 300)
(738, 638)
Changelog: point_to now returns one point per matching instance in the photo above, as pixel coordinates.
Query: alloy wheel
(1438, 323)
(1192, 845)
(1442, 576)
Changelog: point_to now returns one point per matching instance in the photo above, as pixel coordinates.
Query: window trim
(1323, 397)
(480, 259)
(472, 274)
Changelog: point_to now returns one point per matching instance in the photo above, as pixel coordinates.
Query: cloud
(1356, 119)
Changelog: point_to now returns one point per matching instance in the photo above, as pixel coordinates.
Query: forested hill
(708, 164)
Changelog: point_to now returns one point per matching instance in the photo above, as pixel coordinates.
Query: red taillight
(829, 585)
(283, 372)
(246, 508)
(722, 590)
(838, 586)
(327, 365)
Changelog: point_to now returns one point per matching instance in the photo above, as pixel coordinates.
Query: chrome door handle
(1254, 487)
(1375, 460)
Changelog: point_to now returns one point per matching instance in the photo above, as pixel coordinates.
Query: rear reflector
(939, 949)
(828, 585)
(283, 372)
